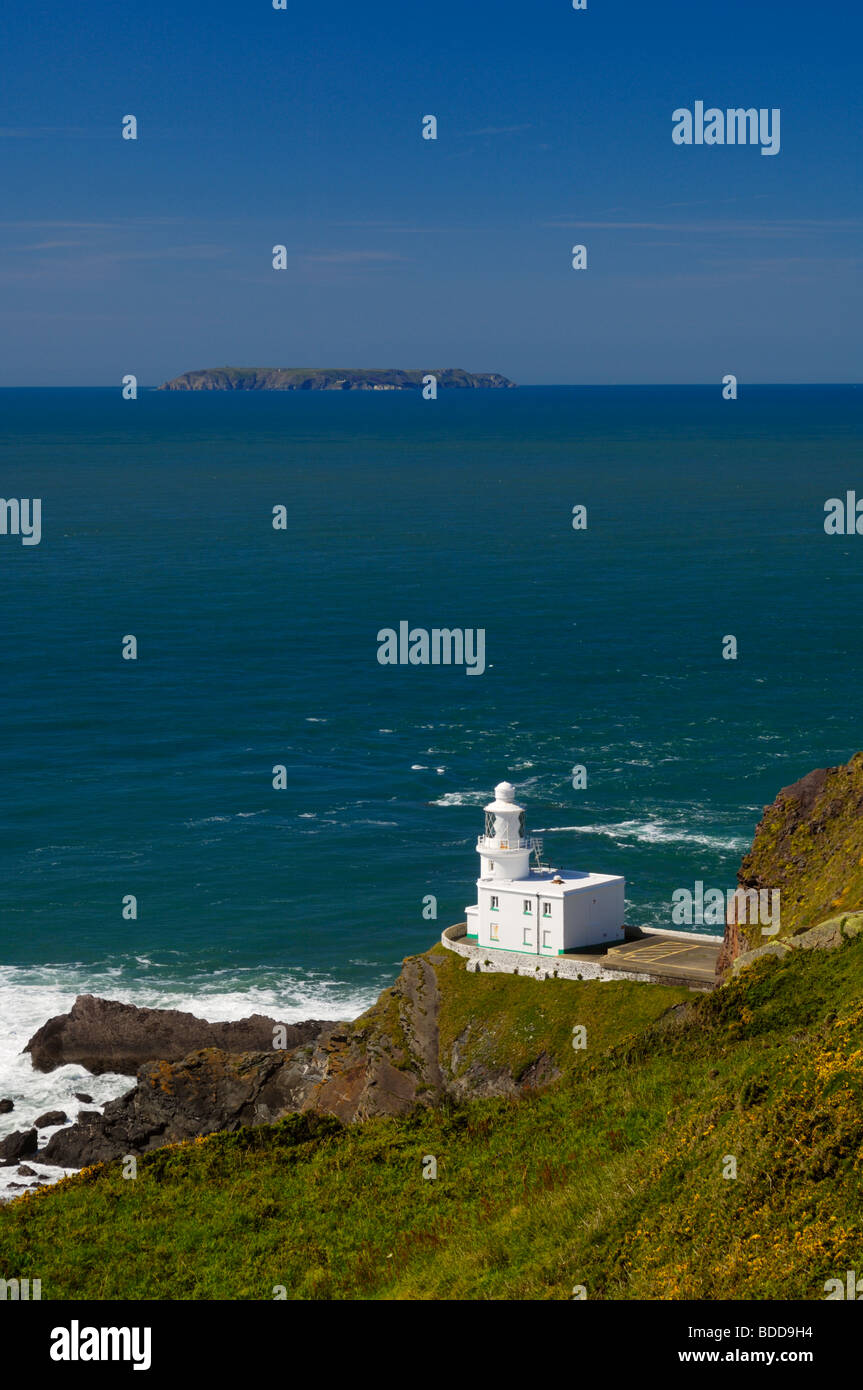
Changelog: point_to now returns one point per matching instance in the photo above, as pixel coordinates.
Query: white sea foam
(29, 996)
(223, 820)
(462, 799)
(651, 832)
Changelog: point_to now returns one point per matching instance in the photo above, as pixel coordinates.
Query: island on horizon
(330, 379)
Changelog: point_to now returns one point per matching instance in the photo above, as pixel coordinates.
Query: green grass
(610, 1178)
(503, 1021)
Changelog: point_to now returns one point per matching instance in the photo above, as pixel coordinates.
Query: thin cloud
(168, 253)
(397, 227)
(781, 227)
(351, 257)
(499, 129)
(45, 246)
(38, 132)
(54, 132)
(118, 225)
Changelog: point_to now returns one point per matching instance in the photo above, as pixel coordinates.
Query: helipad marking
(657, 952)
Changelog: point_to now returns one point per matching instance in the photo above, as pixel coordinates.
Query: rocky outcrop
(50, 1118)
(106, 1036)
(207, 1091)
(21, 1144)
(825, 937)
(332, 379)
(809, 846)
(387, 1062)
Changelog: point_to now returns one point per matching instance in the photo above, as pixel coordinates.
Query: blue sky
(302, 127)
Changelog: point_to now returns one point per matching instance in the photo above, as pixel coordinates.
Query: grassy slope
(610, 1178)
(502, 1021)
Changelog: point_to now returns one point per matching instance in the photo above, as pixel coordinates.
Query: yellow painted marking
(656, 952)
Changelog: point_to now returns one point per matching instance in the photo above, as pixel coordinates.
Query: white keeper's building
(538, 911)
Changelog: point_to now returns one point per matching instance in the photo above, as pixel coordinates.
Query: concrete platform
(669, 957)
(654, 957)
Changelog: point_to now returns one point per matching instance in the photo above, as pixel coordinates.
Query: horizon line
(525, 385)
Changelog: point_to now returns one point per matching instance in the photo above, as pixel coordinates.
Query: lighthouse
(536, 910)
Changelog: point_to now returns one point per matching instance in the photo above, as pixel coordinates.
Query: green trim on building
(548, 953)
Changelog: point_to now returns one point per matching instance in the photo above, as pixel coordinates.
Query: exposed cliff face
(384, 1063)
(330, 379)
(436, 1033)
(809, 846)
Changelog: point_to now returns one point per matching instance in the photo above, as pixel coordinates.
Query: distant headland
(330, 379)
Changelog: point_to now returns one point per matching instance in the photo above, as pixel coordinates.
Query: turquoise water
(258, 647)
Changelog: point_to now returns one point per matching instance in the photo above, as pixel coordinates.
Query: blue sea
(258, 647)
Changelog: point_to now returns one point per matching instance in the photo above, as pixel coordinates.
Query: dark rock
(6, 1107)
(86, 1116)
(106, 1036)
(51, 1117)
(82, 1095)
(21, 1144)
(386, 1063)
(207, 1091)
(25, 1172)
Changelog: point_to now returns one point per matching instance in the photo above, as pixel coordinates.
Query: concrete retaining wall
(489, 961)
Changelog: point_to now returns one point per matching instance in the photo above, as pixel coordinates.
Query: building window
(527, 938)
(546, 938)
(546, 909)
(528, 905)
(494, 902)
(493, 930)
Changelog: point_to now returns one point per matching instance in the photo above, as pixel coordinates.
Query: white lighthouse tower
(538, 911)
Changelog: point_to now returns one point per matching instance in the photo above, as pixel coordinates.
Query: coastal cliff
(809, 846)
(612, 1176)
(436, 1035)
(453, 1142)
(332, 379)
